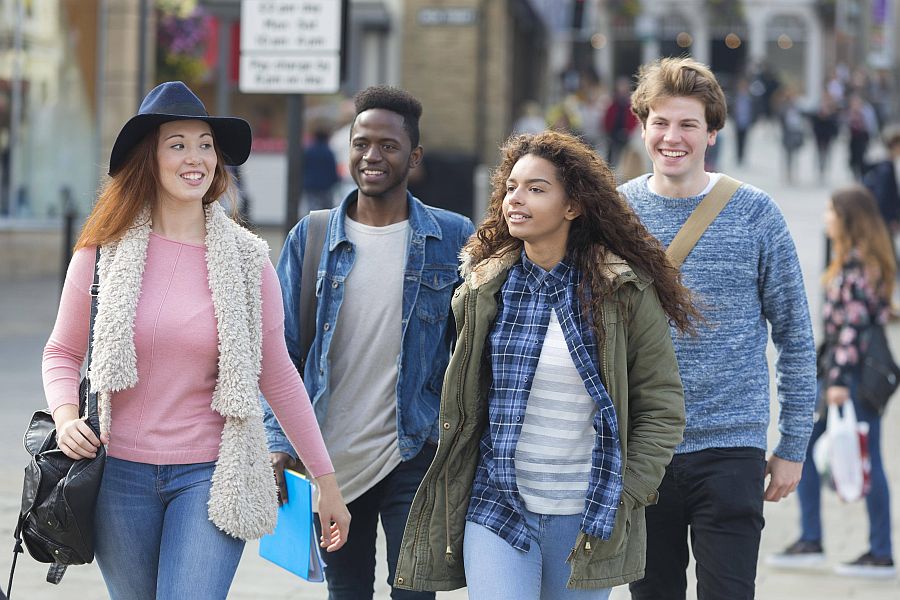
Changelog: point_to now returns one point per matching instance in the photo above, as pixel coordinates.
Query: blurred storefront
(47, 124)
(72, 71)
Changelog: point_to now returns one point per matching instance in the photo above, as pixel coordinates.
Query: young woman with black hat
(189, 329)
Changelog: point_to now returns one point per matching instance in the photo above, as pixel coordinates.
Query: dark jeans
(717, 495)
(350, 571)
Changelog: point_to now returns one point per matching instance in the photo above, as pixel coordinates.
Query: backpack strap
(312, 256)
(705, 213)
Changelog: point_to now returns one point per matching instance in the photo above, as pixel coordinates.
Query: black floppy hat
(174, 101)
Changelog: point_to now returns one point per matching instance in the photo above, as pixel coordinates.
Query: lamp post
(227, 12)
(100, 84)
(143, 25)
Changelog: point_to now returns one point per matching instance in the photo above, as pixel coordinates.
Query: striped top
(553, 454)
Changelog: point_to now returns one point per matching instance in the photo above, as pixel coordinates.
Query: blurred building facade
(801, 40)
(473, 63)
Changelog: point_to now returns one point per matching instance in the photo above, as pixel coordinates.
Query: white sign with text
(290, 46)
(290, 75)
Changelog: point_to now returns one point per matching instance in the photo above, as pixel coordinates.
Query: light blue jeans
(497, 571)
(153, 536)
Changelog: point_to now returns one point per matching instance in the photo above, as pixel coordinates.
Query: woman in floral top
(858, 283)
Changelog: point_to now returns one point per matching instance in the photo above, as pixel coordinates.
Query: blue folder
(293, 544)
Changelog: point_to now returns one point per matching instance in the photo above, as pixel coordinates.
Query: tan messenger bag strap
(705, 213)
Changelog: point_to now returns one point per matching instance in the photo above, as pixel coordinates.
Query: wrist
(65, 413)
(327, 483)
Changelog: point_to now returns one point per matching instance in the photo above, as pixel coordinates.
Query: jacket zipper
(448, 553)
(424, 486)
(583, 541)
(603, 351)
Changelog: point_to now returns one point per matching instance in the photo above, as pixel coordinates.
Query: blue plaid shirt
(516, 340)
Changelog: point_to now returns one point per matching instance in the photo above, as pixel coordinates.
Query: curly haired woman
(562, 403)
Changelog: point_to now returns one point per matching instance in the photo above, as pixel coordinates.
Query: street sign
(289, 74)
(290, 46)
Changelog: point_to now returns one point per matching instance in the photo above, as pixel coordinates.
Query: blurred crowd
(854, 105)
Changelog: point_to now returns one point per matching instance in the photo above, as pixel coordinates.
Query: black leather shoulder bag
(56, 521)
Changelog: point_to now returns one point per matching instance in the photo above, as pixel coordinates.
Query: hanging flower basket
(182, 30)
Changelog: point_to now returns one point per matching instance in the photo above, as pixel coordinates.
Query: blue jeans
(153, 536)
(878, 501)
(350, 571)
(497, 571)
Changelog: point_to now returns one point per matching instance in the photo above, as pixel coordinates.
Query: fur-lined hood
(477, 275)
(243, 500)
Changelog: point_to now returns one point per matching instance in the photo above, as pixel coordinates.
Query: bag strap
(312, 256)
(93, 417)
(17, 550)
(705, 213)
(56, 570)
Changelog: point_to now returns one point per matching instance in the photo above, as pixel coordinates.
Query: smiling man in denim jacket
(382, 342)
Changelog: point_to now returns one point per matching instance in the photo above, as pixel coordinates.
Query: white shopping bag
(848, 452)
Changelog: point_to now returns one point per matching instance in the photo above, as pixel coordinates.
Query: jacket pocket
(589, 549)
(641, 492)
(436, 285)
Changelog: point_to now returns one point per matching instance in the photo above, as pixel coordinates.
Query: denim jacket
(430, 276)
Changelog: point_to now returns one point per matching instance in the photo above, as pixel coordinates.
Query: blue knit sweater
(744, 273)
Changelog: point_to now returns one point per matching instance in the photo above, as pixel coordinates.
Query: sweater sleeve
(282, 386)
(785, 307)
(65, 350)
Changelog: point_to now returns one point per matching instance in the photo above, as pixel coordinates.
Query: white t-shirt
(360, 427)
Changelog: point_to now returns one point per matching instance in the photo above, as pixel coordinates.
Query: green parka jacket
(638, 369)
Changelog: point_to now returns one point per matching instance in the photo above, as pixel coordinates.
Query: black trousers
(716, 495)
(350, 571)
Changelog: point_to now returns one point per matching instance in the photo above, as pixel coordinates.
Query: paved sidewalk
(27, 311)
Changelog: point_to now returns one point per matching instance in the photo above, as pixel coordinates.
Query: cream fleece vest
(242, 501)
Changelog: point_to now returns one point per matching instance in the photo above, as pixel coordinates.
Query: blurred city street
(27, 312)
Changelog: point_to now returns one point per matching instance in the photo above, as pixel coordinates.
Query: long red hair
(136, 184)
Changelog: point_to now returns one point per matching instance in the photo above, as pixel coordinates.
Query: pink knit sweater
(166, 418)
